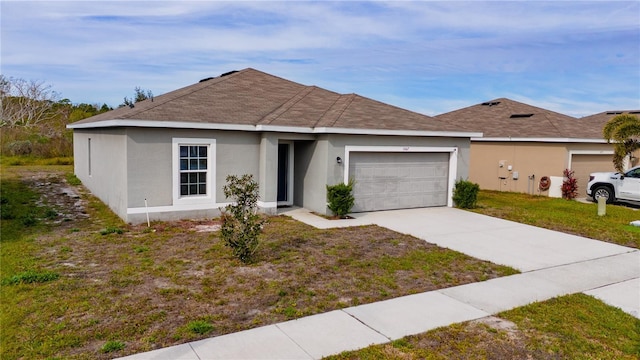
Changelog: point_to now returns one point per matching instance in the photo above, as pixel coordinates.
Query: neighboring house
(522, 143)
(596, 122)
(169, 156)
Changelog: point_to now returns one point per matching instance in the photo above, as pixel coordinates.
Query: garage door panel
(583, 165)
(385, 181)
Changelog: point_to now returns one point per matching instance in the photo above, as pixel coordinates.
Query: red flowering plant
(569, 185)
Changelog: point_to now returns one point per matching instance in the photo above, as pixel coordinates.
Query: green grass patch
(111, 230)
(580, 327)
(112, 346)
(200, 327)
(30, 277)
(72, 179)
(32, 160)
(567, 216)
(569, 327)
(18, 215)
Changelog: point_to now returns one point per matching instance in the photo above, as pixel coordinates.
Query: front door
(285, 174)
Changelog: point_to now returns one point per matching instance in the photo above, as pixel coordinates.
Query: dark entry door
(283, 172)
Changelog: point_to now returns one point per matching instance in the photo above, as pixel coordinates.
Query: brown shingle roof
(508, 118)
(251, 97)
(592, 125)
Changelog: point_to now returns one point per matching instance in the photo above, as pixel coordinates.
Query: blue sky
(577, 58)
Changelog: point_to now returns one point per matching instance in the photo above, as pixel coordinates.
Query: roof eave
(540, 139)
(268, 128)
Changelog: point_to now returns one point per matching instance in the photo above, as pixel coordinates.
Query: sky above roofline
(432, 57)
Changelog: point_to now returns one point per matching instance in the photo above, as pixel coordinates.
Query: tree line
(33, 117)
(33, 120)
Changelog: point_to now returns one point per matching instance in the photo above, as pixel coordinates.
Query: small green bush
(200, 327)
(340, 198)
(241, 224)
(112, 345)
(20, 148)
(465, 194)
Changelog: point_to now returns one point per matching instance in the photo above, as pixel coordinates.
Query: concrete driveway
(527, 248)
(520, 246)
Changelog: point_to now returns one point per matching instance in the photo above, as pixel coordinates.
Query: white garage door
(385, 181)
(583, 165)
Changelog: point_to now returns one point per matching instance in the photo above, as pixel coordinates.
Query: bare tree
(26, 103)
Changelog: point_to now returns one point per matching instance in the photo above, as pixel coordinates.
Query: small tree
(241, 224)
(340, 198)
(140, 95)
(465, 194)
(569, 185)
(624, 131)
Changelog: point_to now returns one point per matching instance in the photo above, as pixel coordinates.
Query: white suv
(615, 186)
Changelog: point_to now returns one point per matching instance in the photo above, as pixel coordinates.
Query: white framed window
(193, 171)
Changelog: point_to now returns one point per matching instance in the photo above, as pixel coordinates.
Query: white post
(602, 206)
(147, 208)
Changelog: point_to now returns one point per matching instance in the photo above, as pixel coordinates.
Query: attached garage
(585, 164)
(386, 180)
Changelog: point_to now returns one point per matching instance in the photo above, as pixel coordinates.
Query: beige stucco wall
(529, 159)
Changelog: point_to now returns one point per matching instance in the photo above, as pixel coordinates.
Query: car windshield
(634, 173)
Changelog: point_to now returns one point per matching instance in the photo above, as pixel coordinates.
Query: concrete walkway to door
(552, 264)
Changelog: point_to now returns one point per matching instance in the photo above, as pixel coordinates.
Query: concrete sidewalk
(553, 264)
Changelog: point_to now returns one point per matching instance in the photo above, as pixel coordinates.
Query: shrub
(569, 185)
(340, 198)
(465, 194)
(20, 147)
(241, 224)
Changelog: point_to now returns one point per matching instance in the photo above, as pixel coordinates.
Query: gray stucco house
(174, 151)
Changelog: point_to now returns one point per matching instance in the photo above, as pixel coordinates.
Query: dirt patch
(55, 192)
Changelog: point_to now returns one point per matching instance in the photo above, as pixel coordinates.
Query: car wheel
(605, 192)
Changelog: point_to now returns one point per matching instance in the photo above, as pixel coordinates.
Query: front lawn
(571, 217)
(79, 283)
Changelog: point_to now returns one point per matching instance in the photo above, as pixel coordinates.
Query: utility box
(503, 169)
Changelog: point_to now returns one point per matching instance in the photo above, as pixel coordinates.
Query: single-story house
(168, 156)
(523, 143)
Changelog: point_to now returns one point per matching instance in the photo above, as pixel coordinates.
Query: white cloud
(464, 52)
